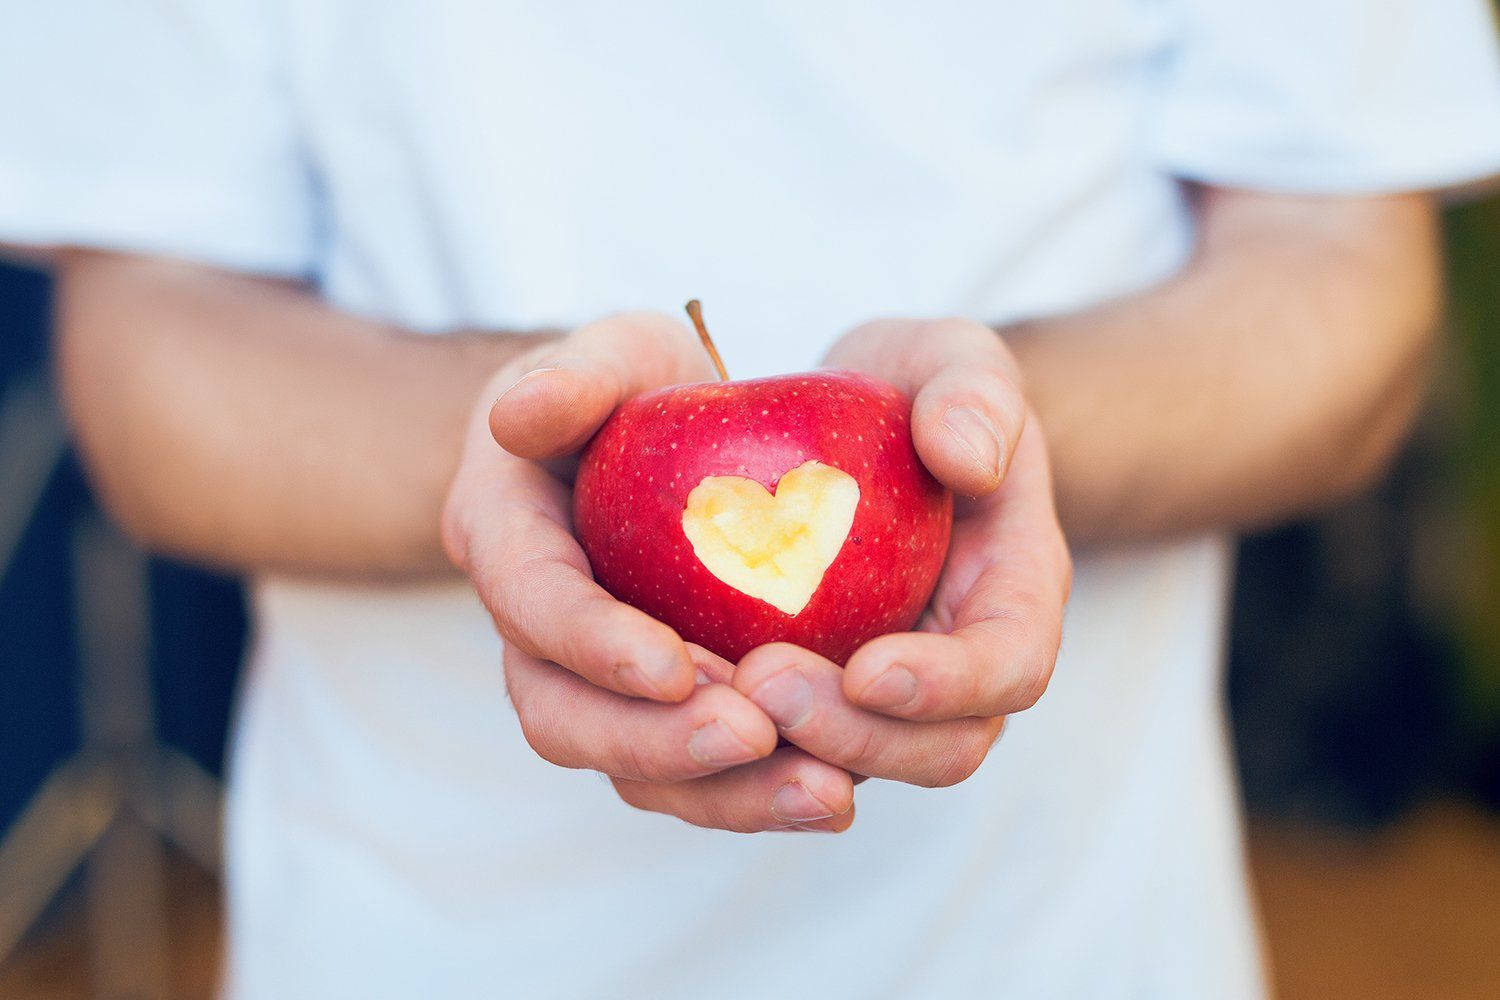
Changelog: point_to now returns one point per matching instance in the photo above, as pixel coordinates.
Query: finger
(965, 422)
(788, 790)
(507, 524)
(967, 405)
(1012, 570)
(573, 385)
(572, 723)
(710, 668)
(967, 408)
(803, 694)
(511, 537)
(836, 824)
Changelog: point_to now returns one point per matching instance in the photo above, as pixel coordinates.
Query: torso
(801, 168)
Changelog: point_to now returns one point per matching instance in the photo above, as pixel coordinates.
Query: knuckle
(1012, 412)
(1006, 363)
(453, 530)
(855, 749)
(530, 620)
(632, 794)
(772, 654)
(648, 330)
(976, 692)
(717, 814)
(513, 621)
(545, 352)
(758, 665)
(498, 575)
(646, 799)
(1000, 395)
(958, 760)
(1038, 639)
(1001, 629)
(958, 328)
(641, 763)
(1035, 677)
(996, 383)
(970, 335)
(714, 702)
(541, 735)
(1032, 673)
(503, 613)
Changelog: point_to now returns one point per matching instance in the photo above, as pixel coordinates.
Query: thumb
(966, 421)
(555, 406)
(967, 406)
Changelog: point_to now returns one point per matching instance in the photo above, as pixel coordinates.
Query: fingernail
(977, 435)
(651, 678)
(786, 698)
(793, 803)
(715, 745)
(892, 689)
(539, 370)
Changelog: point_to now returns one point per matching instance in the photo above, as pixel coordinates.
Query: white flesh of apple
(773, 547)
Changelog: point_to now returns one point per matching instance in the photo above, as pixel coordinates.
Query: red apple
(787, 509)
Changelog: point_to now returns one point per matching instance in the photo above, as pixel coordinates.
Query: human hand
(925, 707)
(598, 684)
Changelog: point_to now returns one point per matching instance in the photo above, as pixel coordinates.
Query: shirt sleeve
(159, 126)
(1329, 96)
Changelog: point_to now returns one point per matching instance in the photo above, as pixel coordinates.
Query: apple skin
(635, 476)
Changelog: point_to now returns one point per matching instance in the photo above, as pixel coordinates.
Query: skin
(1277, 371)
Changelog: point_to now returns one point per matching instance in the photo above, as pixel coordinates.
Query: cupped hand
(598, 684)
(925, 707)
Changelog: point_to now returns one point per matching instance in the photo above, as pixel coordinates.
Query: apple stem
(695, 313)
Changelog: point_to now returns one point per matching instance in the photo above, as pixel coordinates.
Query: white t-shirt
(801, 166)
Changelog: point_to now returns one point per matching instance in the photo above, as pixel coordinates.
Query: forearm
(245, 424)
(1278, 371)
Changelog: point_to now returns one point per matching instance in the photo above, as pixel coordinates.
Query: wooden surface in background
(1411, 912)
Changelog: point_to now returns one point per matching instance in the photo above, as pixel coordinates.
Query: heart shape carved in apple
(785, 509)
(774, 546)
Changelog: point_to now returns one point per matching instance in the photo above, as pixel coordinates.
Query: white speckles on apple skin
(638, 552)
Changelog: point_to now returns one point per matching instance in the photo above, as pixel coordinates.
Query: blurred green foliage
(1474, 451)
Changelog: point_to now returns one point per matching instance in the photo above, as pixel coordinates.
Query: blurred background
(1364, 686)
